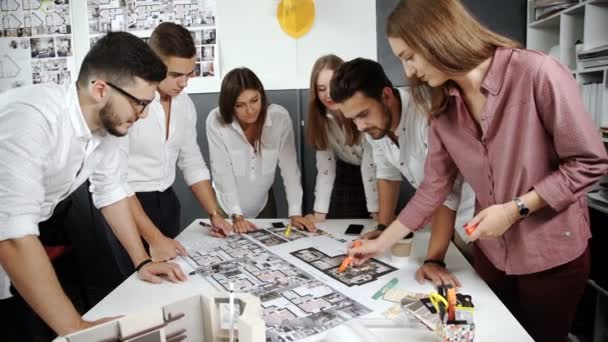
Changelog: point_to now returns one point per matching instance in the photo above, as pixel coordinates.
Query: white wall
(249, 35)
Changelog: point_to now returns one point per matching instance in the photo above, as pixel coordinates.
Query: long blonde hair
(448, 37)
(316, 132)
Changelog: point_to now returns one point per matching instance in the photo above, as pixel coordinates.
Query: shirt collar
(79, 124)
(268, 123)
(493, 80)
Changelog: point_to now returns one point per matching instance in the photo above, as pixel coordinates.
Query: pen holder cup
(456, 332)
(402, 248)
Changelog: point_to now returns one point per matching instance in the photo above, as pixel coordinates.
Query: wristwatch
(524, 211)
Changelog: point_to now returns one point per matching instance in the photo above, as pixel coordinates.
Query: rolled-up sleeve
(108, 184)
(124, 164)
(190, 159)
(326, 176)
(577, 143)
(368, 174)
(384, 169)
(23, 156)
(453, 199)
(439, 175)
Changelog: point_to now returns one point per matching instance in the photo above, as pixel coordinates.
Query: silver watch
(522, 208)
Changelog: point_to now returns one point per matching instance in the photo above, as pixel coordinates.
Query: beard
(110, 121)
(380, 132)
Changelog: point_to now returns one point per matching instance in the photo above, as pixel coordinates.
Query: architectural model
(197, 318)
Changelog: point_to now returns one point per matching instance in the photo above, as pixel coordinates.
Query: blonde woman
(346, 179)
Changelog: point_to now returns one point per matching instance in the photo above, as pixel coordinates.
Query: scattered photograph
(42, 47)
(51, 70)
(208, 52)
(197, 37)
(207, 69)
(63, 46)
(209, 36)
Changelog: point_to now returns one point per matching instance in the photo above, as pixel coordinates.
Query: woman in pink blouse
(512, 122)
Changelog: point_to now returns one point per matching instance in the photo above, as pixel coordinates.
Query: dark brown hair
(172, 40)
(316, 131)
(120, 57)
(448, 37)
(233, 84)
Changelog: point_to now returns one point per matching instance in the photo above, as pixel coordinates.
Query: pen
(288, 230)
(213, 229)
(203, 270)
(470, 229)
(348, 259)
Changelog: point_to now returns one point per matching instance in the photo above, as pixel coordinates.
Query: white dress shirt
(407, 159)
(46, 152)
(242, 177)
(152, 156)
(358, 154)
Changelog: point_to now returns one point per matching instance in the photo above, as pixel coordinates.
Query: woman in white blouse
(341, 191)
(247, 139)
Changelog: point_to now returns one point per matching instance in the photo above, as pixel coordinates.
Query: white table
(492, 319)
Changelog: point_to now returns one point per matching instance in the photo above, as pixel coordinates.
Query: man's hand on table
(438, 274)
(164, 248)
(154, 271)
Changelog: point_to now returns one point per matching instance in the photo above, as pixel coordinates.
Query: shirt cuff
(295, 211)
(557, 195)
(322, 202)
(18, 227)
(195, 176)
(109, 198)
(452, 202)
(388, 174)
(411, 218)
(372, 207)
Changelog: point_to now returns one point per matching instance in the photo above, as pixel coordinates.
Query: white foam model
(195, 318)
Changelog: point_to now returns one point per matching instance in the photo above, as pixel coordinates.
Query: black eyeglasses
(139, 102)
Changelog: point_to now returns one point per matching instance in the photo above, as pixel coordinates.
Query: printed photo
(42, 47)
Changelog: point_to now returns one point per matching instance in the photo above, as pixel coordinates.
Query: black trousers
(164, 209)
(348, 195)
(18, 322)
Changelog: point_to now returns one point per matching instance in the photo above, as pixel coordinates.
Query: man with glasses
(153, 148)
(52, 139)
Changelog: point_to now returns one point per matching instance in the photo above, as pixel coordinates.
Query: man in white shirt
(153, 148)
(52, 139)
(398, 135)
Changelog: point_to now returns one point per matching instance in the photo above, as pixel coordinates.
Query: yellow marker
(288, 230)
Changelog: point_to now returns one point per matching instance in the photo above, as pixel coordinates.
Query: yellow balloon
(296, 16)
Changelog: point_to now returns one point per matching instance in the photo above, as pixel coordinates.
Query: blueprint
(35, 43)
(360, 275)
(295, 304)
